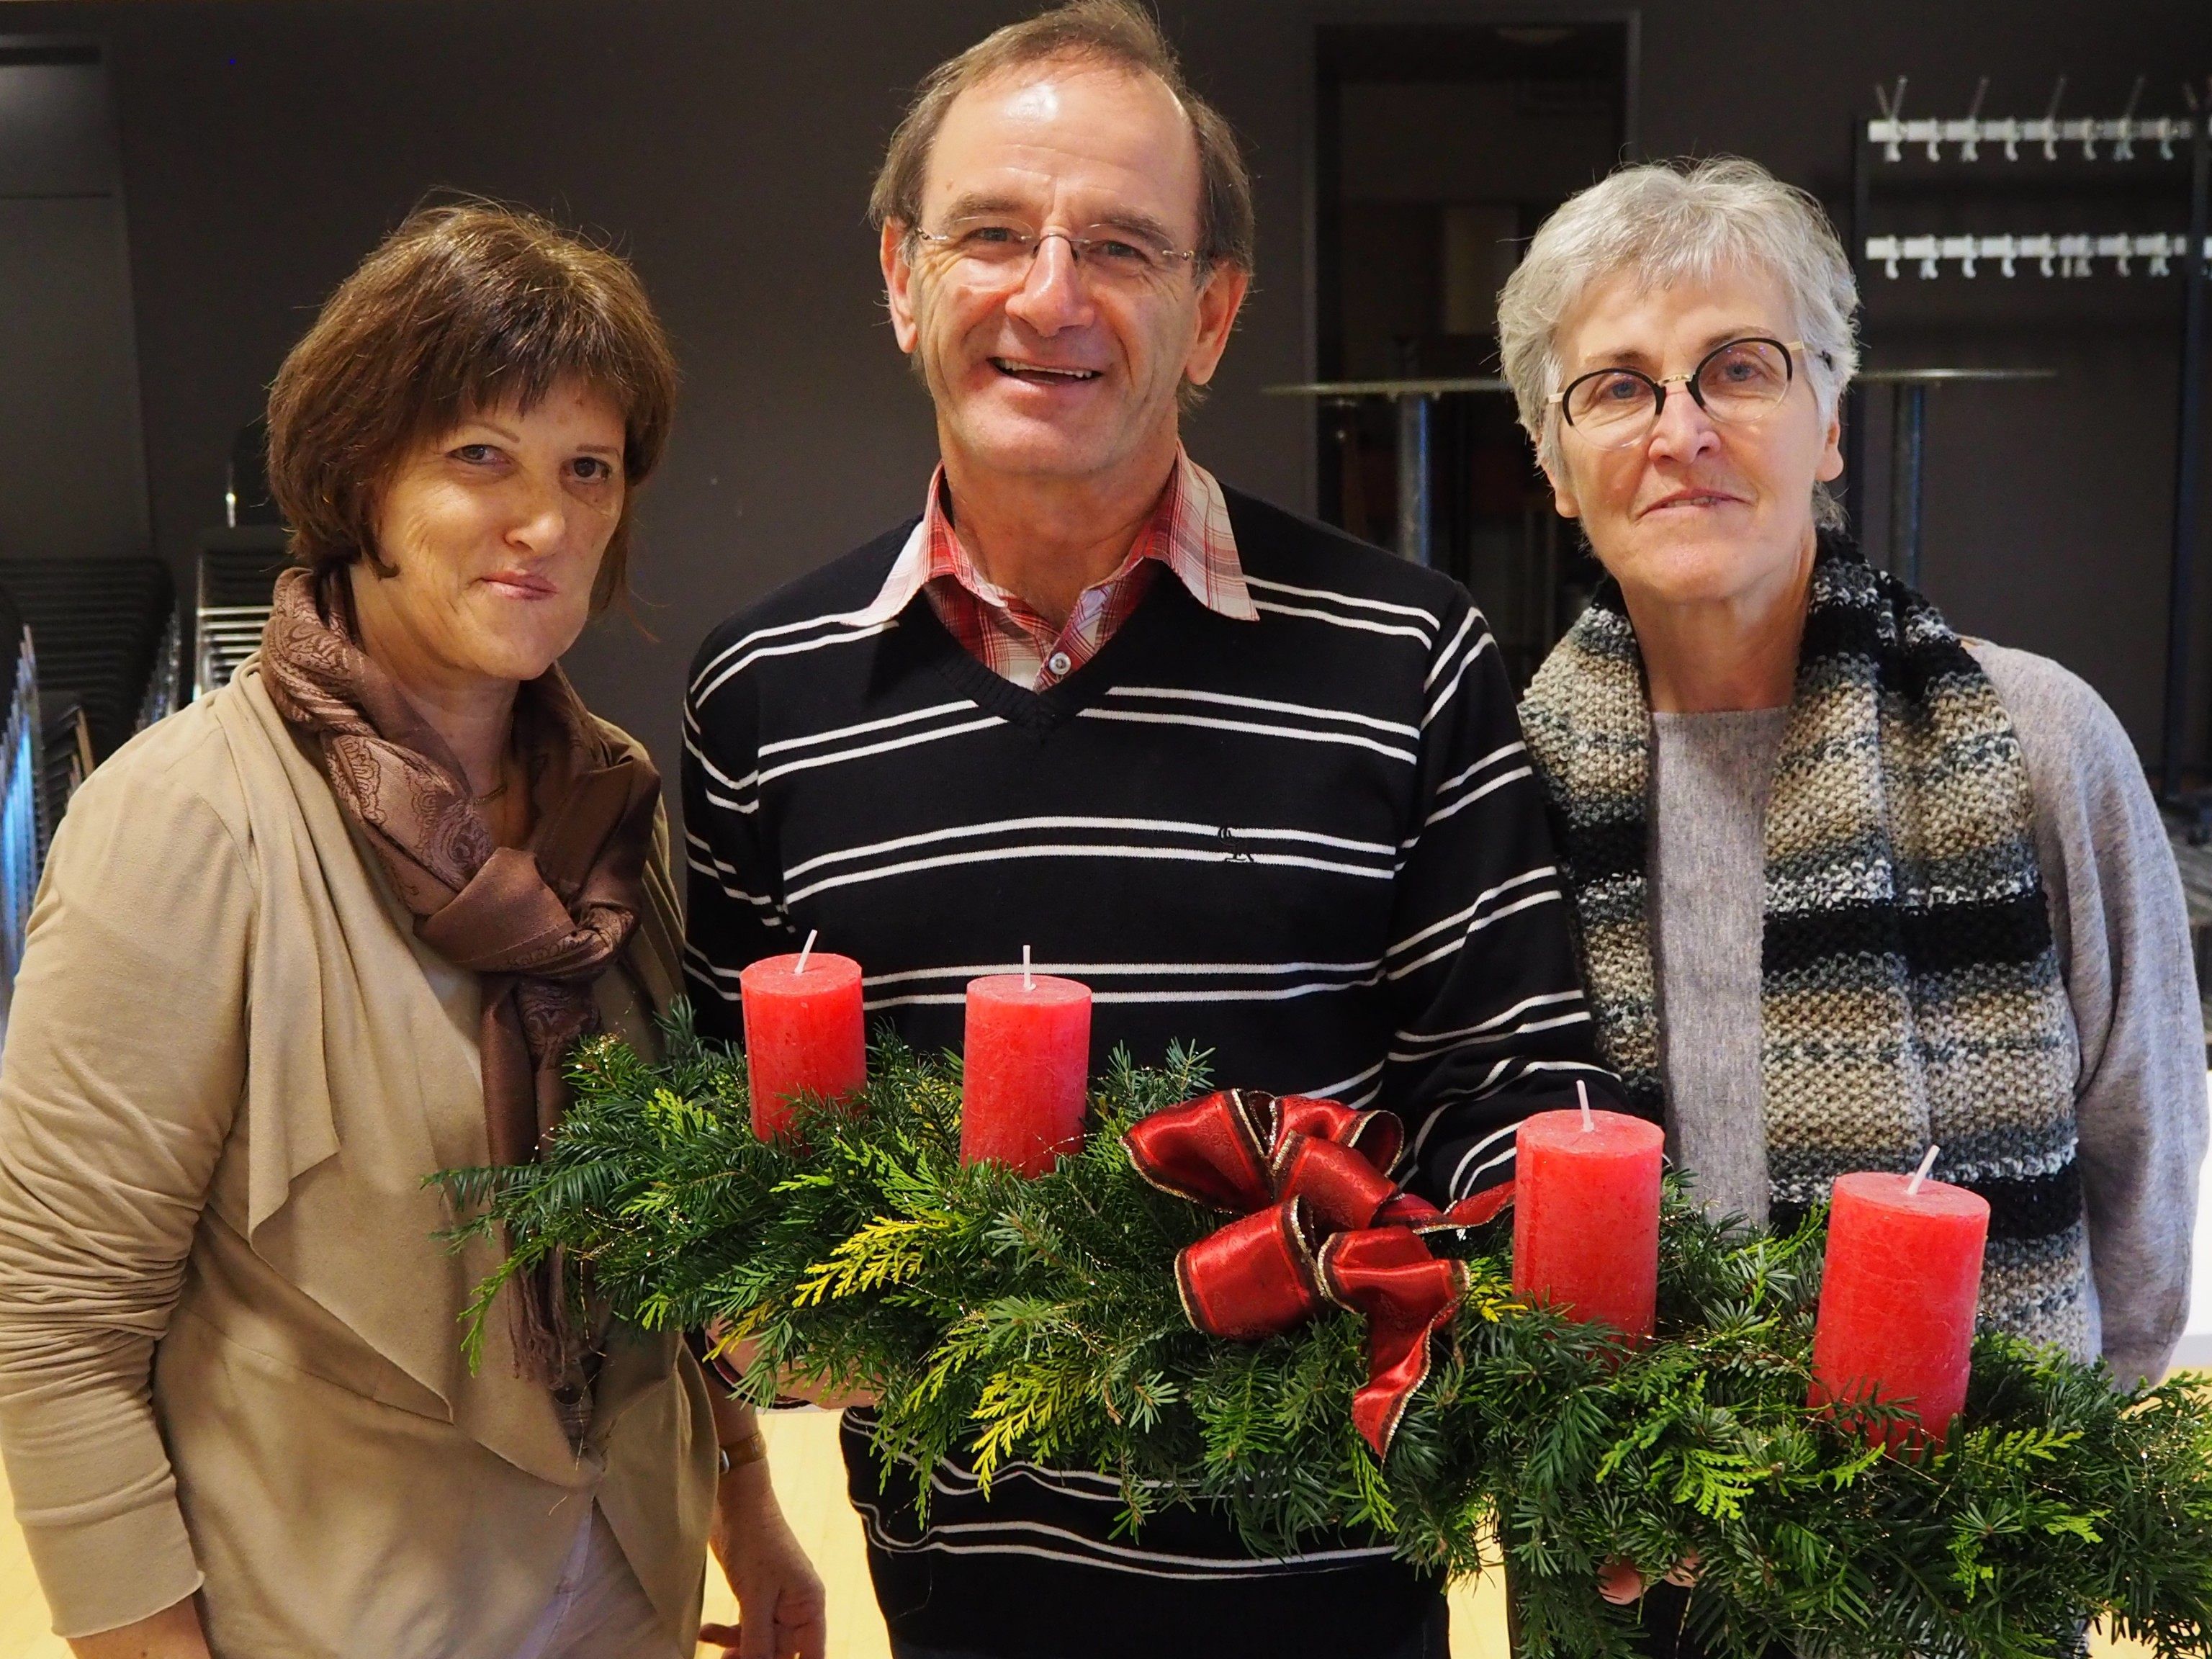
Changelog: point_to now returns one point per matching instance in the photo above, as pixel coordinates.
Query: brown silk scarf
(539, 923)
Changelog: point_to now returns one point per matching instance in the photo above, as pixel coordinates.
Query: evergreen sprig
(1000, 1319)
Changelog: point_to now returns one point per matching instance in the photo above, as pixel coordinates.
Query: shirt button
(1059, 663)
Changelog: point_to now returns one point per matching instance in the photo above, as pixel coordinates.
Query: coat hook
(1893, 108)
(1970, 150)
(2125, 150)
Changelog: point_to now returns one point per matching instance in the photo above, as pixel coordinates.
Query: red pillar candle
(1586, 1217)
(1898, 1296)
(1025, 1070)
(804, 1034)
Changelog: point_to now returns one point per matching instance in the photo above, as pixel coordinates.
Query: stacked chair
(90, 654)
(105, 638)
(238, 570)
(238, 565)
(19, 776)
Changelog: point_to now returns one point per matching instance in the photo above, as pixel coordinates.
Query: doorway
(1441, 149)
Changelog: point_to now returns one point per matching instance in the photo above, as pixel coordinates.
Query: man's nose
(1054, 294)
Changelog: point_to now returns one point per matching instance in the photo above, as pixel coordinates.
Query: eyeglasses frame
(1197, 261)
(1660, 384)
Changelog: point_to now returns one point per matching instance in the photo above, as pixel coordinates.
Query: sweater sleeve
(1491, 1023)
(2122, 929)
(124, 1065)
(733, 910)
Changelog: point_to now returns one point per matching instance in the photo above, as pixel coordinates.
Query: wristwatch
(746, 1448)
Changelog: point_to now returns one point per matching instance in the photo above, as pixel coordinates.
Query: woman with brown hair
(332, 929)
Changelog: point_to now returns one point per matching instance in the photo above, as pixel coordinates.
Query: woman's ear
(1563, 493)
(1830, 466)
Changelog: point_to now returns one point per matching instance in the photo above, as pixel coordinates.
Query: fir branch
(999, 1319)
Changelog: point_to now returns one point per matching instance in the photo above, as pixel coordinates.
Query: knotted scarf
(1910, 989)
(538, 923)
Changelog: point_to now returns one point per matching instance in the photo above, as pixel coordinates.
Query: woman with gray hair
(1846, 884)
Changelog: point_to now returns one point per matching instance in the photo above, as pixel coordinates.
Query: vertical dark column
(1854, 490)
(1908, 423)
(1416, 495)
(1338, 429)
(2188, 442)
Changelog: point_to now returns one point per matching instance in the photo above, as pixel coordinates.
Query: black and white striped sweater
(1310, 844)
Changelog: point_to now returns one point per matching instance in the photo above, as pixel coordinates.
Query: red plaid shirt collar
(1188, 533)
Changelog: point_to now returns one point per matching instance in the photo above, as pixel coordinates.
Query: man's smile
(1020, 369)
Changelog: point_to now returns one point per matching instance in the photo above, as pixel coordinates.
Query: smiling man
(1260, 786)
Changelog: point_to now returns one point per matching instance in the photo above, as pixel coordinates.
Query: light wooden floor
(812, 1481)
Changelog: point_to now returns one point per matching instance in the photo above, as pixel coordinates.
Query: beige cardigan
(229, 1353)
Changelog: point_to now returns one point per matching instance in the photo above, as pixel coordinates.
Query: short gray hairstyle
(1680, 221)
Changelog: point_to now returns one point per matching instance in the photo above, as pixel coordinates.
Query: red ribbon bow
(1322, 1222)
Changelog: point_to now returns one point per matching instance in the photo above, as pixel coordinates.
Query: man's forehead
(1031, 103)
(1103, 125)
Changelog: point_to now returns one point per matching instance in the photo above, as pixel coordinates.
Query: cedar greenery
(1004, 1318)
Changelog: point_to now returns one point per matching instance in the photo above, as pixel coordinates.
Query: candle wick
(1029, 984)
(1912, 1187)
(806, 951)
(1582, 1093)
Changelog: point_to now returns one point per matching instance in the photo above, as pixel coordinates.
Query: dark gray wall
(72, 458)
(728, 145)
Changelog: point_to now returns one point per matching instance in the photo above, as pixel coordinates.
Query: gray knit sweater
(2122, 935)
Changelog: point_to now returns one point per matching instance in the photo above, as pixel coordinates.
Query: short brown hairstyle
(1119, 32)
(464, 309)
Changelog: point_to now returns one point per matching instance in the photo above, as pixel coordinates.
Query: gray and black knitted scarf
(1911, 991)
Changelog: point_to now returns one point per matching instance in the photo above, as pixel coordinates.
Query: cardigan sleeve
(123, 1068)
(1489, 1020)
(2122, 929)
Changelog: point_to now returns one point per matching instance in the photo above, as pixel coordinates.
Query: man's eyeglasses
(996, 248)
(1739, 381)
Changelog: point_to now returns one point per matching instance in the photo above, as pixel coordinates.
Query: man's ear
(898, 284)
(1218, 302)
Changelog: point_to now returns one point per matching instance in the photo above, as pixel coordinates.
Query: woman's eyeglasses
(995, 249)
(1738, 381)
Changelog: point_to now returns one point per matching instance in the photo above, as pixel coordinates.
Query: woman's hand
(173, 1633)
(1622, 1583)
(782, 1607)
